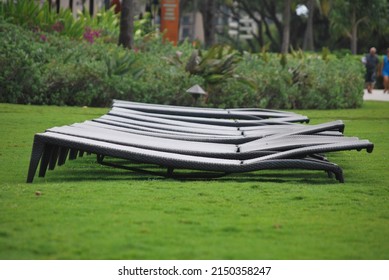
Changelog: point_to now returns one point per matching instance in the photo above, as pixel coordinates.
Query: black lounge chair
(237, 113)
(175, 125)
(52, 148)
(247, 150)
(228, 120)
(218, 131)
(186, 143)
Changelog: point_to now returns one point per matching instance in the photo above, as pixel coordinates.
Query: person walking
(371, 62)
(385, 71)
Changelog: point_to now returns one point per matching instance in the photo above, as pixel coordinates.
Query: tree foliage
(329, 23)
(348, 16)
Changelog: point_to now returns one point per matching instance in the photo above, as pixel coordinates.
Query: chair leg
(339, 176)
(330, 169)
(170, 171)
(63, 153)
(45, 159)
(73, 154)
(100, 158)
(333, 169)
(53, 158)
(36, 154)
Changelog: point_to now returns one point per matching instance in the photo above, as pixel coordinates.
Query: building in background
(93, 6)
(166, 15)
(192, 27)
(243, 28)
(234, 24)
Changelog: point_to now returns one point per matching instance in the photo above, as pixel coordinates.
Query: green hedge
(45, 68)
(41, 68)
(302, 83)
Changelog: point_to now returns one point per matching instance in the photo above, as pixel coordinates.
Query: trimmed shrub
(300, 83)
(20, 72)
(45, 68)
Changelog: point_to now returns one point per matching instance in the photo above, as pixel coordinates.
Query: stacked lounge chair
(220, 141)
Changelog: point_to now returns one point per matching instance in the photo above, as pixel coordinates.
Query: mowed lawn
(88, 211)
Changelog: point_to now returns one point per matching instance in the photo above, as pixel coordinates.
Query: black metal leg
(63, 153)
(36, 154)
(339, 175)
(170, 172)
(331, 169)
(53, 158)
(100, 158)
(73, 154)
(45, 160)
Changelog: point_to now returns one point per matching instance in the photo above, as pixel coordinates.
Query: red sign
(170, 19)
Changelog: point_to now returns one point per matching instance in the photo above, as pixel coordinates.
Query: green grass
(87, 211)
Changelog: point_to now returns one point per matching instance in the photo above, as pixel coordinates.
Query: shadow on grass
(106, 173)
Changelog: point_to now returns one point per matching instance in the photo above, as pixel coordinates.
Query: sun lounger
(226, 121)
(243, 114)
(187, 127)
(50, 148)
(189, 142)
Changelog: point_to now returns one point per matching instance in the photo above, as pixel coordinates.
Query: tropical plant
(142, 26)
(215, 66)
(120, 62)
(21, 12)
(31, 14)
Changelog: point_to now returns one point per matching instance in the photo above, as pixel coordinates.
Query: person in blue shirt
(385, 71)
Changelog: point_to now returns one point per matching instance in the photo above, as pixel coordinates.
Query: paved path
(377, 95)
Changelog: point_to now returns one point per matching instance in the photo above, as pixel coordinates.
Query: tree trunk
(260, 32)
(271, 8)
(252, 14)
(126, 24)
(354, 33)
(268, 33)
(91, 7)
(107, 4)
(209, 11)
(57, 5)
(308, 44)
(286, 31)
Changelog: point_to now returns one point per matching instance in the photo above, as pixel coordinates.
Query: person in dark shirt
(371, 62)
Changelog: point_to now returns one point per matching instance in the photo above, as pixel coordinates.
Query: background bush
(48, 68)
(305, 82)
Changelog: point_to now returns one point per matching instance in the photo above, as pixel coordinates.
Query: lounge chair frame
(216, 141)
